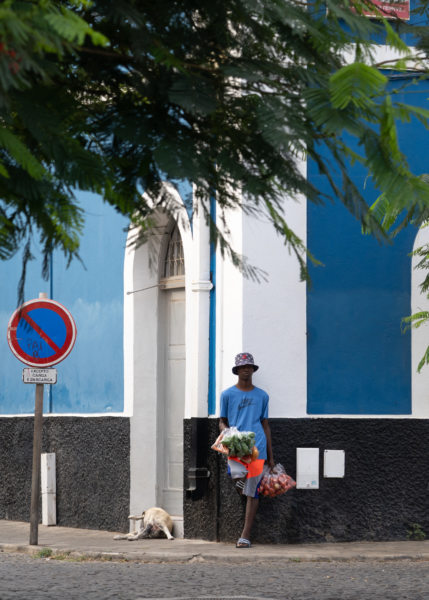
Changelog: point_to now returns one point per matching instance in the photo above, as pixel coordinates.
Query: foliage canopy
(117, 97)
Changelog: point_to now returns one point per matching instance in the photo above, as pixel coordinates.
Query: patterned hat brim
(235, 369)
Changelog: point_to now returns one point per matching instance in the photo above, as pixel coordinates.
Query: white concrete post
(49, 489)
(198, 320)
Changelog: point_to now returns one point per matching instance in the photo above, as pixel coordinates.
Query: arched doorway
(166, 300)
(172, 374)
(154, 362)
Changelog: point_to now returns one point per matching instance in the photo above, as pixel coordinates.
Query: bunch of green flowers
(239, 443)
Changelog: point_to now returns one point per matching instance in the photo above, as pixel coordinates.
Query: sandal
(243, 543)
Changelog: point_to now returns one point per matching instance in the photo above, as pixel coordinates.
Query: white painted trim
(382, 53)
(128, 317)
(275, 311)
(420, 336)
(141, 364)
(229, 305)
(198, 286)
(202, 286)
(267, 319)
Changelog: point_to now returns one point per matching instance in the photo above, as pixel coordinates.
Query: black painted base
(383, 496)
(92, 469)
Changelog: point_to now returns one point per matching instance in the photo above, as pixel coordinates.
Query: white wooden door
(174, 402)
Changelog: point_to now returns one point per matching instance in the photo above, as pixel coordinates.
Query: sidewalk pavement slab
(95, 544)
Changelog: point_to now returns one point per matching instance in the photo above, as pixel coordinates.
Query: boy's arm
(267, 430)
(223, 423)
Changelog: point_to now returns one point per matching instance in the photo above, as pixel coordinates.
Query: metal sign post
(39, 377)
(35, 476)
(40, 333)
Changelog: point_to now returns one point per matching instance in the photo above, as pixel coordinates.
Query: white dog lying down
(154, 522)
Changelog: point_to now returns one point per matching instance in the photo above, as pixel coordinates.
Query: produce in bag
(218, 446)
(276, 483)
(235, 443)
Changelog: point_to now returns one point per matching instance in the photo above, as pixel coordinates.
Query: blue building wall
(359, 362)
(90, 380)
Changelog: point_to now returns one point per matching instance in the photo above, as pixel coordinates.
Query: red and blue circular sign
(41, 333)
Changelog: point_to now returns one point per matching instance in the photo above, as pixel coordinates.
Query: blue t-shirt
(246, 410)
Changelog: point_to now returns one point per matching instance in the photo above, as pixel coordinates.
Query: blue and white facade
(133, 414)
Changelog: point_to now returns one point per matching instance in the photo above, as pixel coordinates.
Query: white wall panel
(274, 312)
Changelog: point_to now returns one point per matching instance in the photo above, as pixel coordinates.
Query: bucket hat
(244, 358)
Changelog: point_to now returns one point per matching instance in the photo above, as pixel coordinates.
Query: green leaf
(393, 39)
(74, 29)
(424, 360)
(20, 152)
(415, 321)
(3, 171)
(355, 84)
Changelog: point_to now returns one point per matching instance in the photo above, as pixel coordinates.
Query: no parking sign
(41, 333)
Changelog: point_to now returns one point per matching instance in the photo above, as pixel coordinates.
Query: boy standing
(246, 407)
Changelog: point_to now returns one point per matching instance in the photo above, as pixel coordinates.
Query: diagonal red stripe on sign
(40, 331)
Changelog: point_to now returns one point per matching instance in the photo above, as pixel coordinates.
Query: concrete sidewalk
(14, 537)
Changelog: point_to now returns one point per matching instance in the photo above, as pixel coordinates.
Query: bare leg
(251, 509)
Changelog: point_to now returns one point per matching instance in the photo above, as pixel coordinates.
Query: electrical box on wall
(307, 468)
(334, 463)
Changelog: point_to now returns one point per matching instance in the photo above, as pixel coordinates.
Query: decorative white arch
(142, 288)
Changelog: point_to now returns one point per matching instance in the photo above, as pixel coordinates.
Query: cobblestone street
(24, 577)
